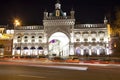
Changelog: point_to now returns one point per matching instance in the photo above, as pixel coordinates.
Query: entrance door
(58, 45)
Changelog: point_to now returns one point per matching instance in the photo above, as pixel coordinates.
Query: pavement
(47, 61)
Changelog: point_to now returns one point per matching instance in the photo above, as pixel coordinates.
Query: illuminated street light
(17, 23)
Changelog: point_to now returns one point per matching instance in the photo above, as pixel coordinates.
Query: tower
(105, 20)
(72, 13)
(58, 5)
(59, 22)
(45, 14)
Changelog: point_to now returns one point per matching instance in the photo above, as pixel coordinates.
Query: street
(20, 71)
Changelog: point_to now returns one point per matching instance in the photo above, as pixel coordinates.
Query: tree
(117, 18)
(116, 23)
(116, 32)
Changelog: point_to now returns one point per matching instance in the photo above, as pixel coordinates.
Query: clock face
(57, 13)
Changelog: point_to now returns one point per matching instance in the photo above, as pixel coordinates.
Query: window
(85, 40)
(18, 40)
(40, 36)
(115, 45)
(77, 40)
(93, 39)
(33, 36)
(40, 40)
(25, 40)
(25, 37)
(101, 39)
(18, 37)
(57, 13)
(33, 40)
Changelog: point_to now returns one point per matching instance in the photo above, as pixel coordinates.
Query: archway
(59, 44)
(78, 51)
(86, 52)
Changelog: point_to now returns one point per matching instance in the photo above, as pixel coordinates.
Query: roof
(36, 27)
(79, 26)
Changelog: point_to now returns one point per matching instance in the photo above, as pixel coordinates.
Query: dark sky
(30, 12)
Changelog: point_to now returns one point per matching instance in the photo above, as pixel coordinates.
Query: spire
(105, 20)
(58, 5)
(72, 12)
(45, 14)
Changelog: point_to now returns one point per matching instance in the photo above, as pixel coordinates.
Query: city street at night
(56, 71)
(60, 40)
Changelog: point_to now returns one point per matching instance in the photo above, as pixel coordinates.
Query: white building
(60, 36)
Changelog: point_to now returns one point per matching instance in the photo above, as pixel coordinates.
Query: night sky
(30, 12)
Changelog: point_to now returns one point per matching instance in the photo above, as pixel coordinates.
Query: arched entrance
(78, 51)
(59, 45)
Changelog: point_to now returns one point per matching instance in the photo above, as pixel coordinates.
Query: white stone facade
(60, 36)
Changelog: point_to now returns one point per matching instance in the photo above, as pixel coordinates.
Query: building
(60, 36)
(6, 38)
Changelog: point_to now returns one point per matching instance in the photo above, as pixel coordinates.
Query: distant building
(60, 36)
(5, 42)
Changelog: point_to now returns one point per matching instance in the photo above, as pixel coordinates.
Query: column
(98, 52)
(82, 52)
(107, 51)
(90, 53)
(45, 49)
(71, 50)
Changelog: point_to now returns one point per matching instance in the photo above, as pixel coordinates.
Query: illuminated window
(85, 34)
(115, 45)
(101, 33)
(57, 13)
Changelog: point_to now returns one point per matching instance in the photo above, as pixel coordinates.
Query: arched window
(18, 37)
(101, 33)
(40, 36)
(25, 37)
(101, 39)
(85, 40)
(77, 40)
(33, 37)
(93, 39)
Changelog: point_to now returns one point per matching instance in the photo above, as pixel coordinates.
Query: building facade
(6, 38)
(60, 36)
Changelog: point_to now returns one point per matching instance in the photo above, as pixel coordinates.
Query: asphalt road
(16, 71)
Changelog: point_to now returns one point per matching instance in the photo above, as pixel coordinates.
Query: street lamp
(17, 23)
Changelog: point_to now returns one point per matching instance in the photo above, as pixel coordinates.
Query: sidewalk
(47, 61)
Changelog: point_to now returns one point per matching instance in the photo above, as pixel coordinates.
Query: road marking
(31, 76)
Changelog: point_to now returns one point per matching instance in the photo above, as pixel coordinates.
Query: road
(25, 71)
